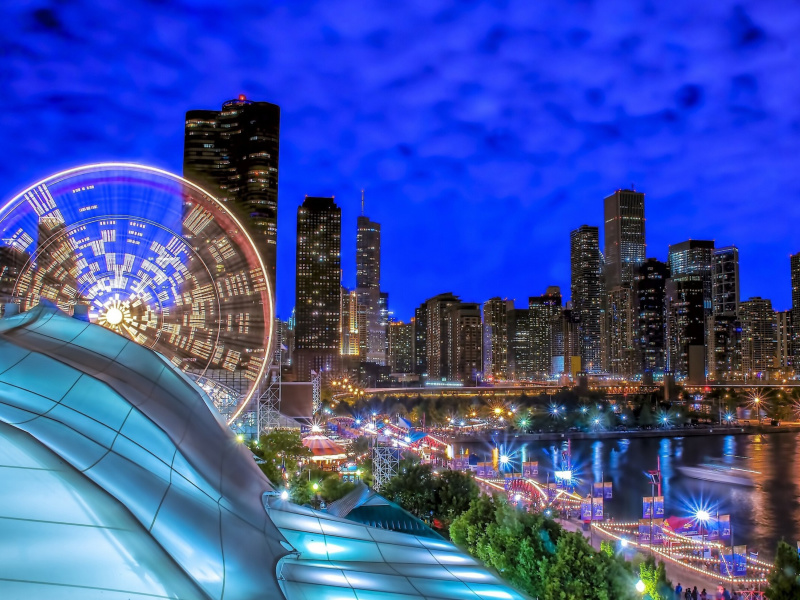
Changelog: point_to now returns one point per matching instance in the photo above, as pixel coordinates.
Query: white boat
(720, 474)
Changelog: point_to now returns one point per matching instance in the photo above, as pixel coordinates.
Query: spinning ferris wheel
(151, 256)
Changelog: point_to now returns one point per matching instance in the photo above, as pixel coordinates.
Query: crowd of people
(688, 593)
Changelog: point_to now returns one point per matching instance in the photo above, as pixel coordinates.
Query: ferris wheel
(151, 256)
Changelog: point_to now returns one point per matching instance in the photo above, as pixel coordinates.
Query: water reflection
(761, 515)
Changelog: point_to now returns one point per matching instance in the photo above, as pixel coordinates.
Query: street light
(640, 586)
(702, 516)
(504, 459)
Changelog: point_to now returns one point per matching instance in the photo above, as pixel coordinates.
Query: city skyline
(695, 112)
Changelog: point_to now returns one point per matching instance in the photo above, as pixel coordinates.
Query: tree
(654, 577)
(784, 578)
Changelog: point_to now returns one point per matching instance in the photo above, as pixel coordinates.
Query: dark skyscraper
(587, 300)
(368, 286)
(794, 263)
(624, 237)
(464, 331)
(650, 309)
(519, 344)
(233, 154)
(438, 336)
(421, 340)
(725, 282)
(686, 354)
(759, 338)
(625, 251)
(400, 355)
(694, 257)
(318, 288)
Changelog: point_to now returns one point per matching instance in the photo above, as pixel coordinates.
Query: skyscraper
(650, 309)
(625, 251)
(794, 264)
(438, 335)
(694, 257)
(544, 313)
(233, 154)
(495, 339)
(725, 283)
(587, 300)
(519, 344)
(625, 246)
(421, 340)
(759, 337)
(318, 287)
(352, 331)
(783, 338)
(368, 286)
(401, 356)
(464, 331)
(686, 354)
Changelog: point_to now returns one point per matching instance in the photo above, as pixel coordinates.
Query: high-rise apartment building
(233, 154)
(587, 297)
(495, 339)
(520, 363)
(465, 333)
(724, 344)
(625, 251)
(368, 287)
(759, 337)
(318, 287)
(544, 313)
(725, 282)
(794, 264)
(401, 345)
(650, 311)
(439, 355)
(784, 340)
(421, 340)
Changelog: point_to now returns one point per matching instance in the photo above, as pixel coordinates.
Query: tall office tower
(318, 287)
(624, 237)
(368, 286)
(725, 283)
(784, 340)
(650, 310)
(759, 337)
(694, 257)
(383, 321)
(465, 333)
(794, 263)
(421, 340)
(352, 332)
(724, 343)
(544, 312)
(587, 298)
(401, 338)
(625, 251)
(520, 365)
(438, 336)
(495, 339)
(686, 353)
(233, 154)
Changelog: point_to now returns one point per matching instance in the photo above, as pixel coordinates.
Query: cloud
(483, 132)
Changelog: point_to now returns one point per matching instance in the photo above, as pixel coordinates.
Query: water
(760, 515)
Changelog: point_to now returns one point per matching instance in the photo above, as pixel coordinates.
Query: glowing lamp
(640, 586)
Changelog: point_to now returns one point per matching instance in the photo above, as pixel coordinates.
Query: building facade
(401, 346)
(759, 338)
(318, 287)
(650, 310)
(368, 287)
(233, 153)
(587, 297)
(544, 313)
(694, 257)
(465, 333)
(437, 341)
(725, 282)
(624, 252)
(495, 339)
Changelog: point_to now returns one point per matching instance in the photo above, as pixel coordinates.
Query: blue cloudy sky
(482, 131)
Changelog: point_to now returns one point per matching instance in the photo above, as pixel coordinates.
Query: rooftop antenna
(362, 203)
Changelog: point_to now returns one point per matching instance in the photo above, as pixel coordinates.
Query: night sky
(483, 132)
